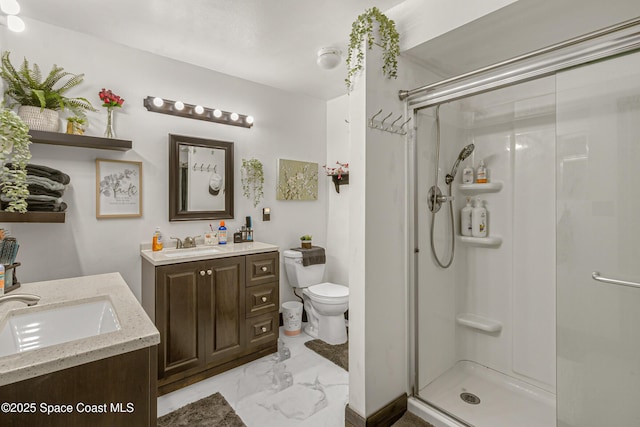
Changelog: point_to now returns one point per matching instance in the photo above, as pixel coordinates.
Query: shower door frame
(599, 45)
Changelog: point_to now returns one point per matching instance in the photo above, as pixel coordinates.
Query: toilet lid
(329, 290)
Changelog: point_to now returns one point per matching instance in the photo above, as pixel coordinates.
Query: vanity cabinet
(213, 315)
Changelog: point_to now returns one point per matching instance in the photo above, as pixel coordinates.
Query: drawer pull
(209, 272)
(202, 272)
(263, 268)
(264, 299)
(264, 329)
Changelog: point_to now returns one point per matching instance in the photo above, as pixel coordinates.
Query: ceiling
(274, 43)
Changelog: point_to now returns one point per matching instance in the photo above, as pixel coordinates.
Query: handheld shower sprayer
(466, 152)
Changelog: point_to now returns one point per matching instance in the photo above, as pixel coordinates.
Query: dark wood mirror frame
(176, 213)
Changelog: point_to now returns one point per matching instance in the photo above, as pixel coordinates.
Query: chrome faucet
(28, 299)
(189, 242)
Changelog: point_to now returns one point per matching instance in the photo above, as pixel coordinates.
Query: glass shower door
(598, 233)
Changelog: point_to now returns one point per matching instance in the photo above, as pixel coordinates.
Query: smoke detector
(328, 57)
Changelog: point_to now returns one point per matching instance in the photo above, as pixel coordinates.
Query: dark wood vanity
(213, 314)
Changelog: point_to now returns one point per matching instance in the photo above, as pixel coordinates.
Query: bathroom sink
(174, 253)
(38, 327)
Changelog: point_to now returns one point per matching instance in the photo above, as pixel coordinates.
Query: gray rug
(338, 354)
(410, 420)
(212, 411)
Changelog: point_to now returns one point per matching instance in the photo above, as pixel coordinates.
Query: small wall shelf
(69, 140)
(489, 187)
(478, 322)
(338, 182)
(491, 241)
(52, 217)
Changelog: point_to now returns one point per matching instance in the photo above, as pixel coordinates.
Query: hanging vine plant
(252, 180)
(14, 149)
(388, 39)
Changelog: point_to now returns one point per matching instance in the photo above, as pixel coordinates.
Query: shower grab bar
(596, 276)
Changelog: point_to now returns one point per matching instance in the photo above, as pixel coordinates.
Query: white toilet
(325, 303)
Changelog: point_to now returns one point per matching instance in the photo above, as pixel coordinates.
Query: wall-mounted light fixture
(11, 8)
(198, 112)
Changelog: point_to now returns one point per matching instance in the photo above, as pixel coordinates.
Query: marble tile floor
(304, 390)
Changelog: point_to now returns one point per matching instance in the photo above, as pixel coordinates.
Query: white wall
(287, 126)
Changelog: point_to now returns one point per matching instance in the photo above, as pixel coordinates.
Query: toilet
(325, 303)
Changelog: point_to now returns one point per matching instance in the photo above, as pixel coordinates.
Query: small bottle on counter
(222, 234)
(156, 241)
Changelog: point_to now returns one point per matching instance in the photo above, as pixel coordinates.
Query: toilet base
(311, 331)
(332, 329)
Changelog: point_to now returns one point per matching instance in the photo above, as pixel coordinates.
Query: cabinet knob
(264, 299)
(209, 272)
(264, 329)
(263, 268)
(202, 272)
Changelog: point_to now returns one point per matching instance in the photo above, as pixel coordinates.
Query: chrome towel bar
(596, 276)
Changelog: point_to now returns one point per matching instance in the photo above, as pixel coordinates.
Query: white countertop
(165, 256)
(137, 331)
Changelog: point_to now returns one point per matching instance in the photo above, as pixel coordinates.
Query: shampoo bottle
(482, 173)
(467, 175)
(222, 234)
(465, 219)
(156, 242)
(479, 220)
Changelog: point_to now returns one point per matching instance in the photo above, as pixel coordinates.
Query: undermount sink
(173, 253)
(38, 327)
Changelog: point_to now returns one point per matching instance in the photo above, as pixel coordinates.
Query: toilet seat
(328, 293)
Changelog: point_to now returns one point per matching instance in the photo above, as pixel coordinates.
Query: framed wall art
(297, 180)
(118, 189)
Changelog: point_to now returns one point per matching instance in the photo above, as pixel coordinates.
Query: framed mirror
(200, 179)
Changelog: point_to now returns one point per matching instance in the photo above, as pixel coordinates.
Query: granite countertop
(202, 252)
(137, 331)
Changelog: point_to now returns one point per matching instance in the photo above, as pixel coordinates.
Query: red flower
(110, 99)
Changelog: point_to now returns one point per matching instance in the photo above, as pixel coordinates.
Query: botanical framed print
(297, 180)
(118, 189)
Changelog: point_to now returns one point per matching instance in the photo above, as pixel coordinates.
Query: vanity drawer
(262, 330)
(261, 299)
(262, 268)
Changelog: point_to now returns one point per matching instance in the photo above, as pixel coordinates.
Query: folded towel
(38, 198)
(41, 206)
(38, 190)
(45, 182)
(312, 256)
(47, 172)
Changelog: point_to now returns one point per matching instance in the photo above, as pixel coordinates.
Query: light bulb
(9, 7)
(217, 113)
(234, 116)
(249, 120)
(15, 24)
(178, 105)
(199, 109)
(158, 102)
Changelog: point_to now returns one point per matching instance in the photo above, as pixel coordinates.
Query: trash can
(292, 317)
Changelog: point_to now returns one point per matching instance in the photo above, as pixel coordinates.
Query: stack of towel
(46, 187)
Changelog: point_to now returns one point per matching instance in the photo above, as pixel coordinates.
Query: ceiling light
(15, 24)
(199, 109)
(9, 7)
(328, 58)
(179, 105)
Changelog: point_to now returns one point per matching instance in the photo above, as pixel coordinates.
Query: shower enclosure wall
(516, 331)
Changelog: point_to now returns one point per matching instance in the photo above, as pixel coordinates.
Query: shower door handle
(596, 276)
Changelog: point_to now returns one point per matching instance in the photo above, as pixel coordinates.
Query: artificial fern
(26, 87)
(14, 148)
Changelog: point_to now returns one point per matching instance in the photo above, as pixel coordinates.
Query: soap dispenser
(479, 220)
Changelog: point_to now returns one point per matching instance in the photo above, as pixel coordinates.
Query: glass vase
(109, 132)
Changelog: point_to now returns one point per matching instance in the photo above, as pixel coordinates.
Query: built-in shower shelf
(478, 322)
(488, 242)
(488, 187)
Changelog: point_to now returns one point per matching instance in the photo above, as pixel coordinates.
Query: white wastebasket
(292, 317)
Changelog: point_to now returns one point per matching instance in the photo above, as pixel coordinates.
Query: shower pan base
(504, 401)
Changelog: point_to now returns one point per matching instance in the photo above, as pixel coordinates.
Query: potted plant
(305, 242)
(252, 180)
(75, 125)
(388, 39)
(14, 156)
(40, 99)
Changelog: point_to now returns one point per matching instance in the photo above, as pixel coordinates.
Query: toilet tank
(298, 275)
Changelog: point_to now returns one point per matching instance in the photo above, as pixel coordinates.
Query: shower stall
(536, 324)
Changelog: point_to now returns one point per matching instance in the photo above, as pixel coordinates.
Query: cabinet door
(225, 309)
(177, 318)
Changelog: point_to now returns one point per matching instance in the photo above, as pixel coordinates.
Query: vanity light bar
(180, 109)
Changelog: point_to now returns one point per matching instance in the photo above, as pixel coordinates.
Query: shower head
(466, 152)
